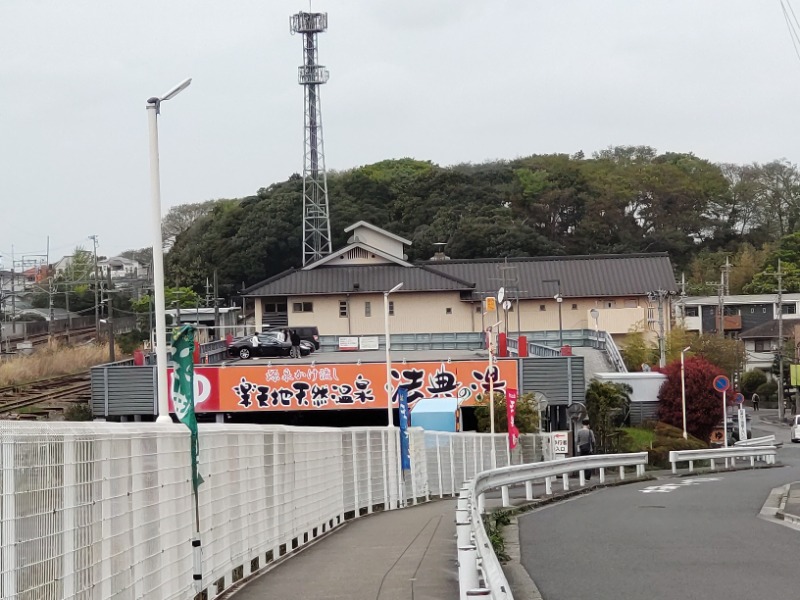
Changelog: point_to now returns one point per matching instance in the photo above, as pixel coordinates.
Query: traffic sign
(721, 383)
(501, 293)
(507, 305)
(491, 304)
(738, 398)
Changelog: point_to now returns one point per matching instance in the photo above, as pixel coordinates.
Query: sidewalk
(395, 555)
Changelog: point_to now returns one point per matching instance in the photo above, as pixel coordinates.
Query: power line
(793, 29)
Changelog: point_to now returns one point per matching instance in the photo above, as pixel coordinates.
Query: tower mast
(316, 222)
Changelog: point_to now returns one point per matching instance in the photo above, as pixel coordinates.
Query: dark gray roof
(769, 330)
(580, 276)
(340, 280)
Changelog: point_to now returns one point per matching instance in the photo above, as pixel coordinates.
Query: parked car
(267, 345)
(309, 333)
(795, 429)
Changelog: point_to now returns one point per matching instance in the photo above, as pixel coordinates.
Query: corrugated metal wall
(643, 411)
(120, 391)
(559, 378)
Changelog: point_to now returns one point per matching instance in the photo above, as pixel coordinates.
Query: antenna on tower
(316, 222)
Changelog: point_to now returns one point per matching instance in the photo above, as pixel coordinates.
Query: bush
(766, 391)
(658, 441)
(130, 340)
(752, 380)
(78, 412)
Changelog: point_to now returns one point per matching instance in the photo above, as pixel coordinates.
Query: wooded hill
(624, 199)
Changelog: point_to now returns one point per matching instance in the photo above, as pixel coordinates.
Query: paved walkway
(396, 555)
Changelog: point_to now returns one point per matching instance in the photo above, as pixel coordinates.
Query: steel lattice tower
(316, 224)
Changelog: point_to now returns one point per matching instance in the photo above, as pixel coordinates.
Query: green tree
(751, 381)
(637, 351)
(526, 418)
(607, 405)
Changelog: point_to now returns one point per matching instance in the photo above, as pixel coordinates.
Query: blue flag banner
(405, 423)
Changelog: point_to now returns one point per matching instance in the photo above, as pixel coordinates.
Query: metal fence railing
(101, 510)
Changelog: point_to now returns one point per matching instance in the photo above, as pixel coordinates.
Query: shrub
(78, 412)
(752, 380)
(658, 441)
(767, 390)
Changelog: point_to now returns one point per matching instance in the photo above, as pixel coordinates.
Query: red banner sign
(342, 386)
(511, 413)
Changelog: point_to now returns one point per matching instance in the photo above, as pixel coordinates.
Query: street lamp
(559, 299)
(596, 316)
(683, 391)
(389, 390)
(153, 109)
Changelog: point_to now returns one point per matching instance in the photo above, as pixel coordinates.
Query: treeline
(620, 200)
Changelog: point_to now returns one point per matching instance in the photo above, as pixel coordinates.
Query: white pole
(389, 387)
(158, 266)
(683, 394)
(725, 417)
(491, 400)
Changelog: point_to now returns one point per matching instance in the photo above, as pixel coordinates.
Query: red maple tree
(703, 402)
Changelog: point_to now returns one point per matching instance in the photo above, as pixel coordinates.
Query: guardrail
(614, 354)
(479, 570)
(732, 452)
(766, 440)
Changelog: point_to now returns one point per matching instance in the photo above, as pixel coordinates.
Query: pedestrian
(585, 442)
(755, 399)
(295, 339)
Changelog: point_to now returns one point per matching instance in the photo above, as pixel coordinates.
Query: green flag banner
(183, 390)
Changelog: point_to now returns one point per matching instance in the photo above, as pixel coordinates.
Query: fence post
(505, 495)
(528, 490)
(369, 472)
(602, 475)
(354, 460)
(9, 519)
(565, 481)
(385, 459)
(69, 490)
(452, 449)
(439, 465)
(548, 486)
(467, 569)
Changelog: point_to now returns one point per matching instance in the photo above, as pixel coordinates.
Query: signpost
(721, 384)
(560, 443)
(739, 399)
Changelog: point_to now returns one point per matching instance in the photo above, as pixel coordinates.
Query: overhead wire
(794, 28)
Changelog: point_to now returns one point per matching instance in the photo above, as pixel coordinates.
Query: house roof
(388, 234)
(740, 299)
(326, 259)
(769, 330)
(368, 278)
(580, 276)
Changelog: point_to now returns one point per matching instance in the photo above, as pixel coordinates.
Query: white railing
(726, 454)
(765, 440)
(479, 570)
(96, 510)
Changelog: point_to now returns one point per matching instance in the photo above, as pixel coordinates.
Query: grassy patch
(494, 523)
(657, 441)
(52, 362)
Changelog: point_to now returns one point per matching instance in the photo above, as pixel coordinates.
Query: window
(343, 308)
(478, 309)
(574, 307)
(692, 311)
(631, 303)
(448, 311)
(367, 309)
(299, 307)
(789, 309)
(764, 310)
(391, 308)
(542, 307)
(763, 346)
(609, 304)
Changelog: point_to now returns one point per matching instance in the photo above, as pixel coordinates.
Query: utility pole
(110, 321)
(217, 336)
(96, 290)
(49, 295)
(659, 296)
(727, 274)
(721, 307)
(781, 399)
(13, 294)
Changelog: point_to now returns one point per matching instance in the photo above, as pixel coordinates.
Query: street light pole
(389, 387)
(153, 109)
(683, 391)
(559, 299)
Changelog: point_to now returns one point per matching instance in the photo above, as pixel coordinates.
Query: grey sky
(445, 80)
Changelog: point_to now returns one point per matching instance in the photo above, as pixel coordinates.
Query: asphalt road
(687, 538)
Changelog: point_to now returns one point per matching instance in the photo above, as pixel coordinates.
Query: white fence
(477, 562)
(92, 511)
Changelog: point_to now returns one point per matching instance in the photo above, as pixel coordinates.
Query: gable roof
(383, 232)
(326, 259)
(580, 276)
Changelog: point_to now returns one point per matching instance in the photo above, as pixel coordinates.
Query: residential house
(762, 342)
(343, 293)
(700, 314)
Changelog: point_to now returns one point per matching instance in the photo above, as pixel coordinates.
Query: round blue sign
(721, 383)
(738, 398)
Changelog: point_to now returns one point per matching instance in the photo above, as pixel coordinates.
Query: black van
(308, 333)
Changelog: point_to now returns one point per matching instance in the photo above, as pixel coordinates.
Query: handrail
(480, 557)
(614, 354)
(676, 456)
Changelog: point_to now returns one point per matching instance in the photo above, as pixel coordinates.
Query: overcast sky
(443, 80)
